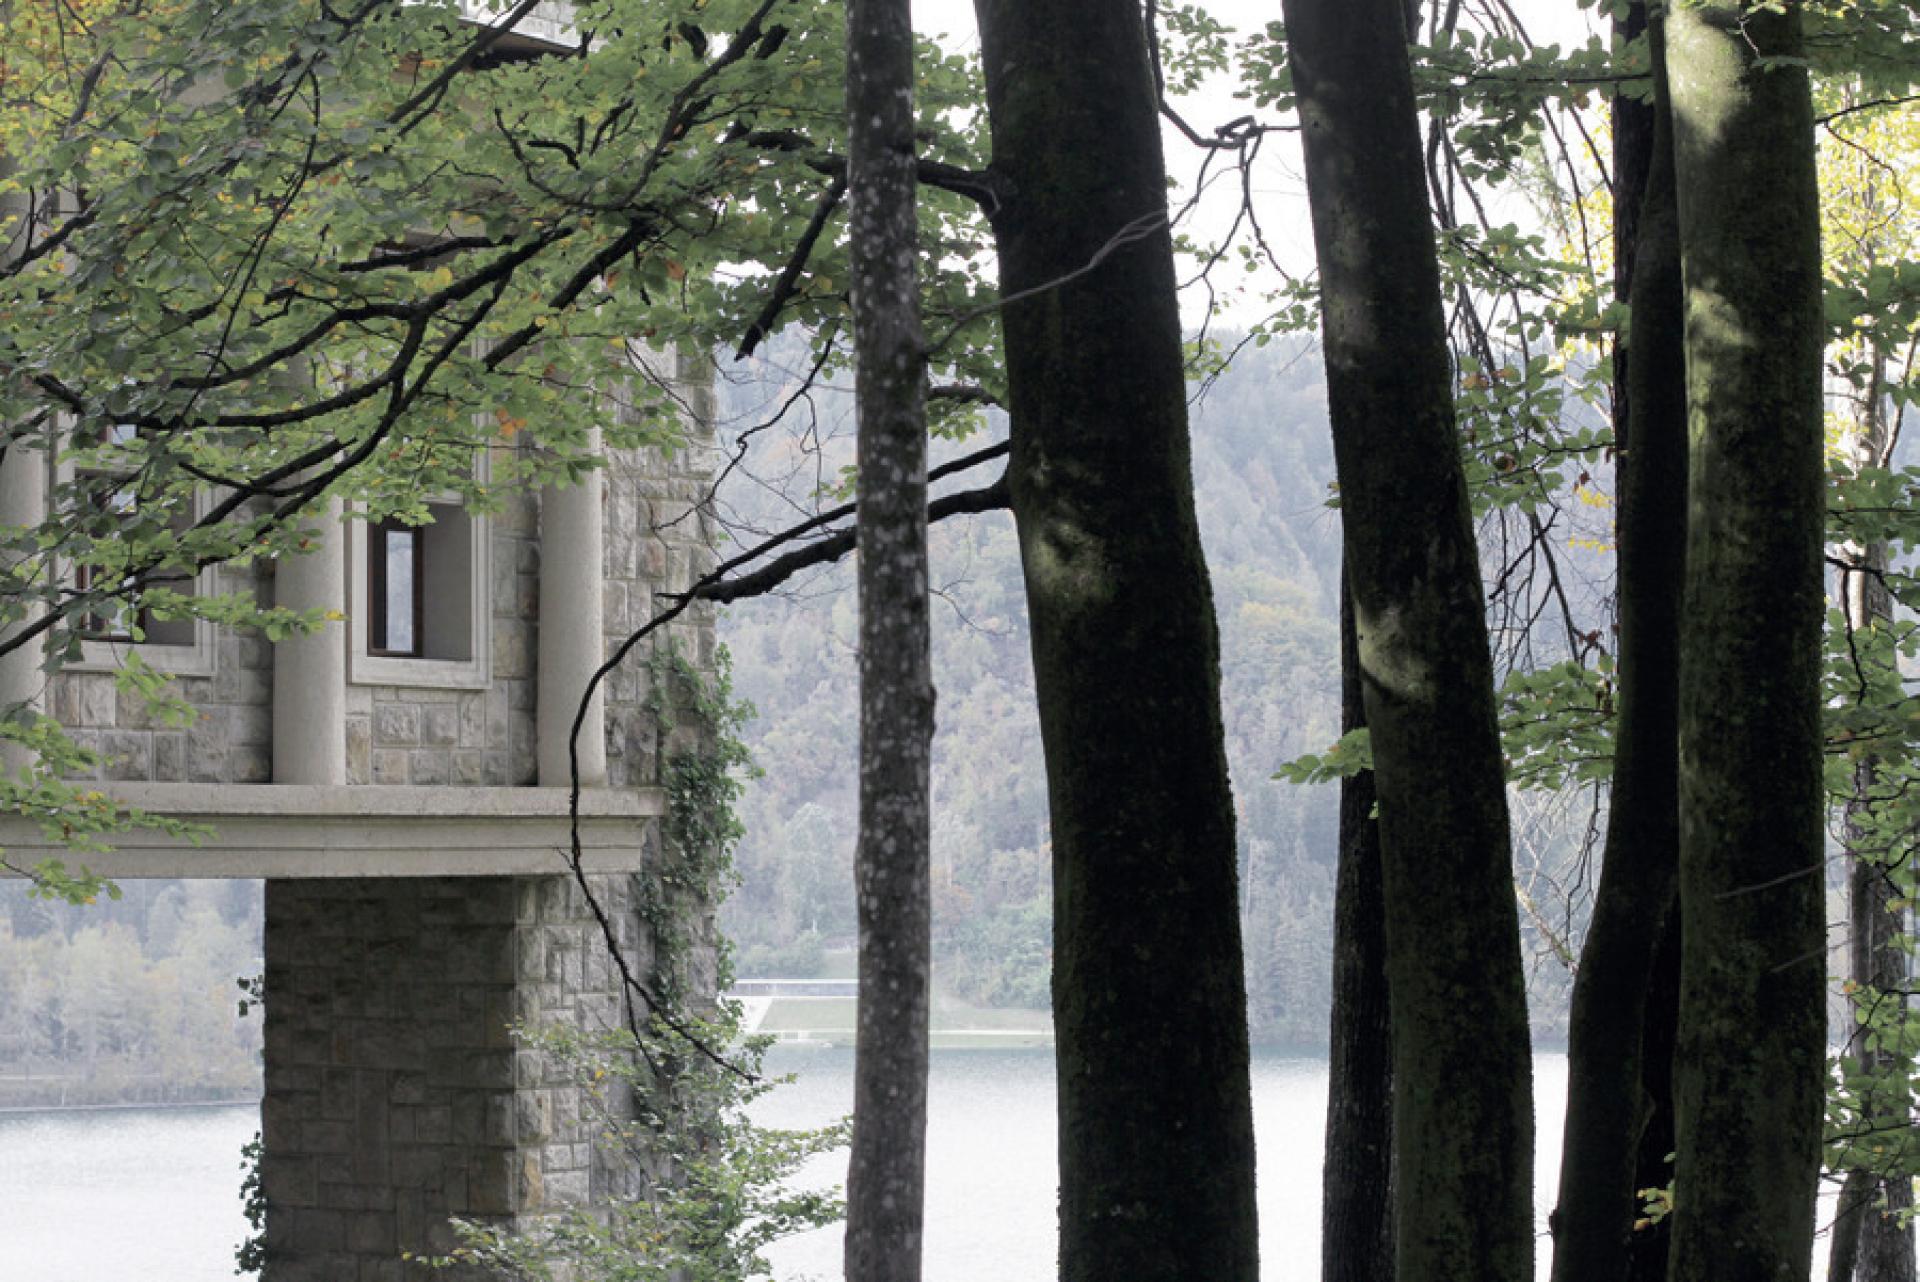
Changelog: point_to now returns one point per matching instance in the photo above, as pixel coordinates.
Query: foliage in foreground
(716, 1189)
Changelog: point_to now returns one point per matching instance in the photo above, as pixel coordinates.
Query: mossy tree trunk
(886, 1178)
(1749, 1075)
(1356, 1211)
(1608, 1108)
(1155, 1116)
(1463, 1116)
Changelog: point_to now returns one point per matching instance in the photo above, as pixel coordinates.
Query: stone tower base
(396, 1094)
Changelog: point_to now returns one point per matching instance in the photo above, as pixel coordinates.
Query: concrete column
(23, 502)
(310, 671)
(396, 1094)
(572, 628)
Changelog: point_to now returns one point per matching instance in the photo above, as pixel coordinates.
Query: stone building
(400, 779)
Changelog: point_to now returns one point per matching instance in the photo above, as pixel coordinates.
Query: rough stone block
(491, 1184)
(207, 747)
(533, 1116)
(521, 695)
(567, 1188)
(469, 768)
(315, 1230)
(317, 1135)
(389, 766)
(252, 726)
(396, 725)
(288, 1180)
(512, 649)
(129, 755)
(418, 1168)
(235, 684)
(372, 1233)
(249, 764)
(433, 1124)
(429, 766)
(85, 699)
(170, 757)
(472, 729)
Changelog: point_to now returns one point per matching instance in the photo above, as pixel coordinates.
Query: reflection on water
(153, 1194)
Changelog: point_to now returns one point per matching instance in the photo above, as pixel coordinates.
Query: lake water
(991, 1187)
(152, 1194)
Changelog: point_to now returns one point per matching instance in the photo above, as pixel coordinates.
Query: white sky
(1278, 188)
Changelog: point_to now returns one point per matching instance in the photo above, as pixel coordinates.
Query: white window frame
(472, 673)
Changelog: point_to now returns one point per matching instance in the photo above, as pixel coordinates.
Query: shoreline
(26, 1110)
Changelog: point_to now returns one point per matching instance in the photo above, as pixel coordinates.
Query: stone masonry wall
(231, 742)
(659, 538)
(420, 735)
(396, 1095)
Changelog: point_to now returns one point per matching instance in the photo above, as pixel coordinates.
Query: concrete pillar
(572, 628)
(396, 1095)
(310, 671)
(23, 502)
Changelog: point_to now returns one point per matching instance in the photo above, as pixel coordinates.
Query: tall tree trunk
(886, 1179)
(1356, 1212)
(1749, 1076)
(1463, 1116)
(1155, 1116)
(1871, 1240)
(1607, 1107)
(1653, 1165)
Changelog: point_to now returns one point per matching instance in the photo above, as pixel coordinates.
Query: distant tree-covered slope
(1262, 465)
(129, 1000)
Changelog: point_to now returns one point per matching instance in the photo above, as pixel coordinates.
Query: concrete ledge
(320, 830)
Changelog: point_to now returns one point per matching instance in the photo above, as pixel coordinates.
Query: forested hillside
(129, 1000)
(1262, 465)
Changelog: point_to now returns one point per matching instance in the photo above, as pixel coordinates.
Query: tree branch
(789, 278)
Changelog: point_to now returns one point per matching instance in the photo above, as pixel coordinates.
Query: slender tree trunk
(1653, 1164)
(886, 1179)
(1463, 1115)
(1870, 1239)
(1749, 1076)
(1356, 1214)
(1850, 1212)
(1607, 1107)
(1155, 1115)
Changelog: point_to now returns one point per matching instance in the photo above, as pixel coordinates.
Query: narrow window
(113, 500)
(396, 575)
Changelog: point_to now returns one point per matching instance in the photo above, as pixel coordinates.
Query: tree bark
(1649, 1247)
(1749, 1077)
(886, 1179)
(1155, 1116)
(1463, 1117)
(1356, 1214)
(1607, 1105)
(1870, 1239)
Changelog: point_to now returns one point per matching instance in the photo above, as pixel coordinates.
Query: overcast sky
(1278, 188)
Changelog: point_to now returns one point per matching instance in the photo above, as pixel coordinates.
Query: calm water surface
(153, 1194)
(991, 1186)
(122, 1195)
